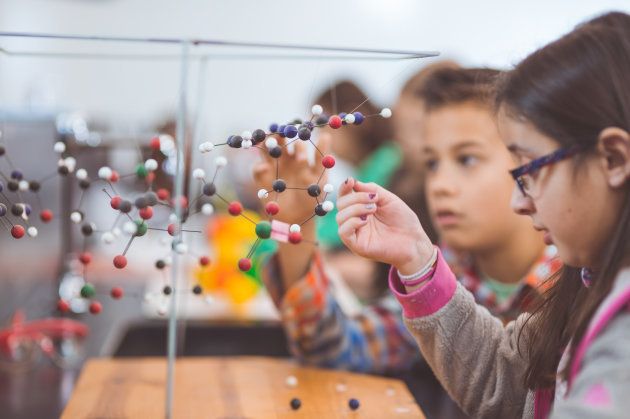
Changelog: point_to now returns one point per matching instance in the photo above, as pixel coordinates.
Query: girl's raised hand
(376, 224)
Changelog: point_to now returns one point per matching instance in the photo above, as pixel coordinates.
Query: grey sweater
(477, 360)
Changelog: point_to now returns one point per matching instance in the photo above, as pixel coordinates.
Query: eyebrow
(515, 148)
(464, 144)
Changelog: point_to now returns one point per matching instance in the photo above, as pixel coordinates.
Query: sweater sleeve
(602, 387)
(476, 358)
(320, 333)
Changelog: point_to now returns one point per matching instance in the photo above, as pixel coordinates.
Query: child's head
(467, 186)
(572, 95)
(408, 114)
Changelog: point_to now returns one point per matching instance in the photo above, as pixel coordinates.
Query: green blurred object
(378, 167)
(141, 171)
(88, 291)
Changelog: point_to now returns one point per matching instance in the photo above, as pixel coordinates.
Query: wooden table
(232, 388)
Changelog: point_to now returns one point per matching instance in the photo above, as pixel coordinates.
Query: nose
(440, 183)
(522, 204)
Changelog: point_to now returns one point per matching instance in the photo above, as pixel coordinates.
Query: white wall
(242, 94)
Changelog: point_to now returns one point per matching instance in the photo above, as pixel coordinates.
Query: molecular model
(135, 215)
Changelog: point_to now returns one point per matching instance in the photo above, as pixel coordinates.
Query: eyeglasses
(522, 174)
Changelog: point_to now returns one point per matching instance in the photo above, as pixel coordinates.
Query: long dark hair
(570, 90)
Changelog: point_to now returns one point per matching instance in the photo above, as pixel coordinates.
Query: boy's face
(467, 183)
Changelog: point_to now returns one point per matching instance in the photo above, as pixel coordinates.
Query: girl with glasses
(564, 114)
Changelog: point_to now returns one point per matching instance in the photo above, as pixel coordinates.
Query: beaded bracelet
(423, 274)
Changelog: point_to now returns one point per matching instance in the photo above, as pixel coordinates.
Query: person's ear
(614, 146)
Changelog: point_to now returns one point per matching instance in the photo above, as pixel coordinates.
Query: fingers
(361, 211)
(365, 187)
(260, 172)
(355, 198)
(348, 231)
(345, 188)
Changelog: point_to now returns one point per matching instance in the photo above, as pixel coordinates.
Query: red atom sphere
(155, 143)
(46, 215)
(63, 306)
(204, 261)
(116, 293)
(95, 307)
(335, 122)
(120, 261)
(183, 202)
(244, 264)
(272, 208)
(163, 194)
(146, 213)
(295, 237)
(328, 162)
(115, 202)
(172, 230)
(85, 258)
(17, 231)
(150, 177)
(115, 177)
(235, 208)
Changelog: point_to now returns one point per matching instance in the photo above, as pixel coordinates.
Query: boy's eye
(467, 160)
(431, 165)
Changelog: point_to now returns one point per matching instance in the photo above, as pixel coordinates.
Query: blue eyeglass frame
(540, 162)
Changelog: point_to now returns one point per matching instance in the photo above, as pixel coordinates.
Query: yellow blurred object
(231, 239)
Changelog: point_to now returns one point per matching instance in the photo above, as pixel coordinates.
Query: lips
(546, 235)
(446, 218)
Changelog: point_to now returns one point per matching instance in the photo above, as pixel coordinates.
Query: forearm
(294, 260)
(473, 355)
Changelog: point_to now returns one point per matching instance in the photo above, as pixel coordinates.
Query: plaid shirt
(376, 340)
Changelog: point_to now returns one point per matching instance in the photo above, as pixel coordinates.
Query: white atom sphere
(271, 142)
(71, 162)
(32, 231)
(291, 381)
(107, 237)
(328, 188)
(199, 174)
(82, 174)
(247, 144)
(263, 193)
(172, 217)
(328, 206)
(151, 165)
(386, 113)
(247, 135)
(221, 161)
(162, 310)
(317, 110)
(295, 228)
(116, 232)
(208, 146)
(76, 217)
(207, 209)
(349, 118)
(168, 260)
(130, 228)
(23, 185)
(166, 144)
(105, 173)
(181, 248)
(59, 147)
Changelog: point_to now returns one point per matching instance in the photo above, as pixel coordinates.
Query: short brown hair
(450, 86)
